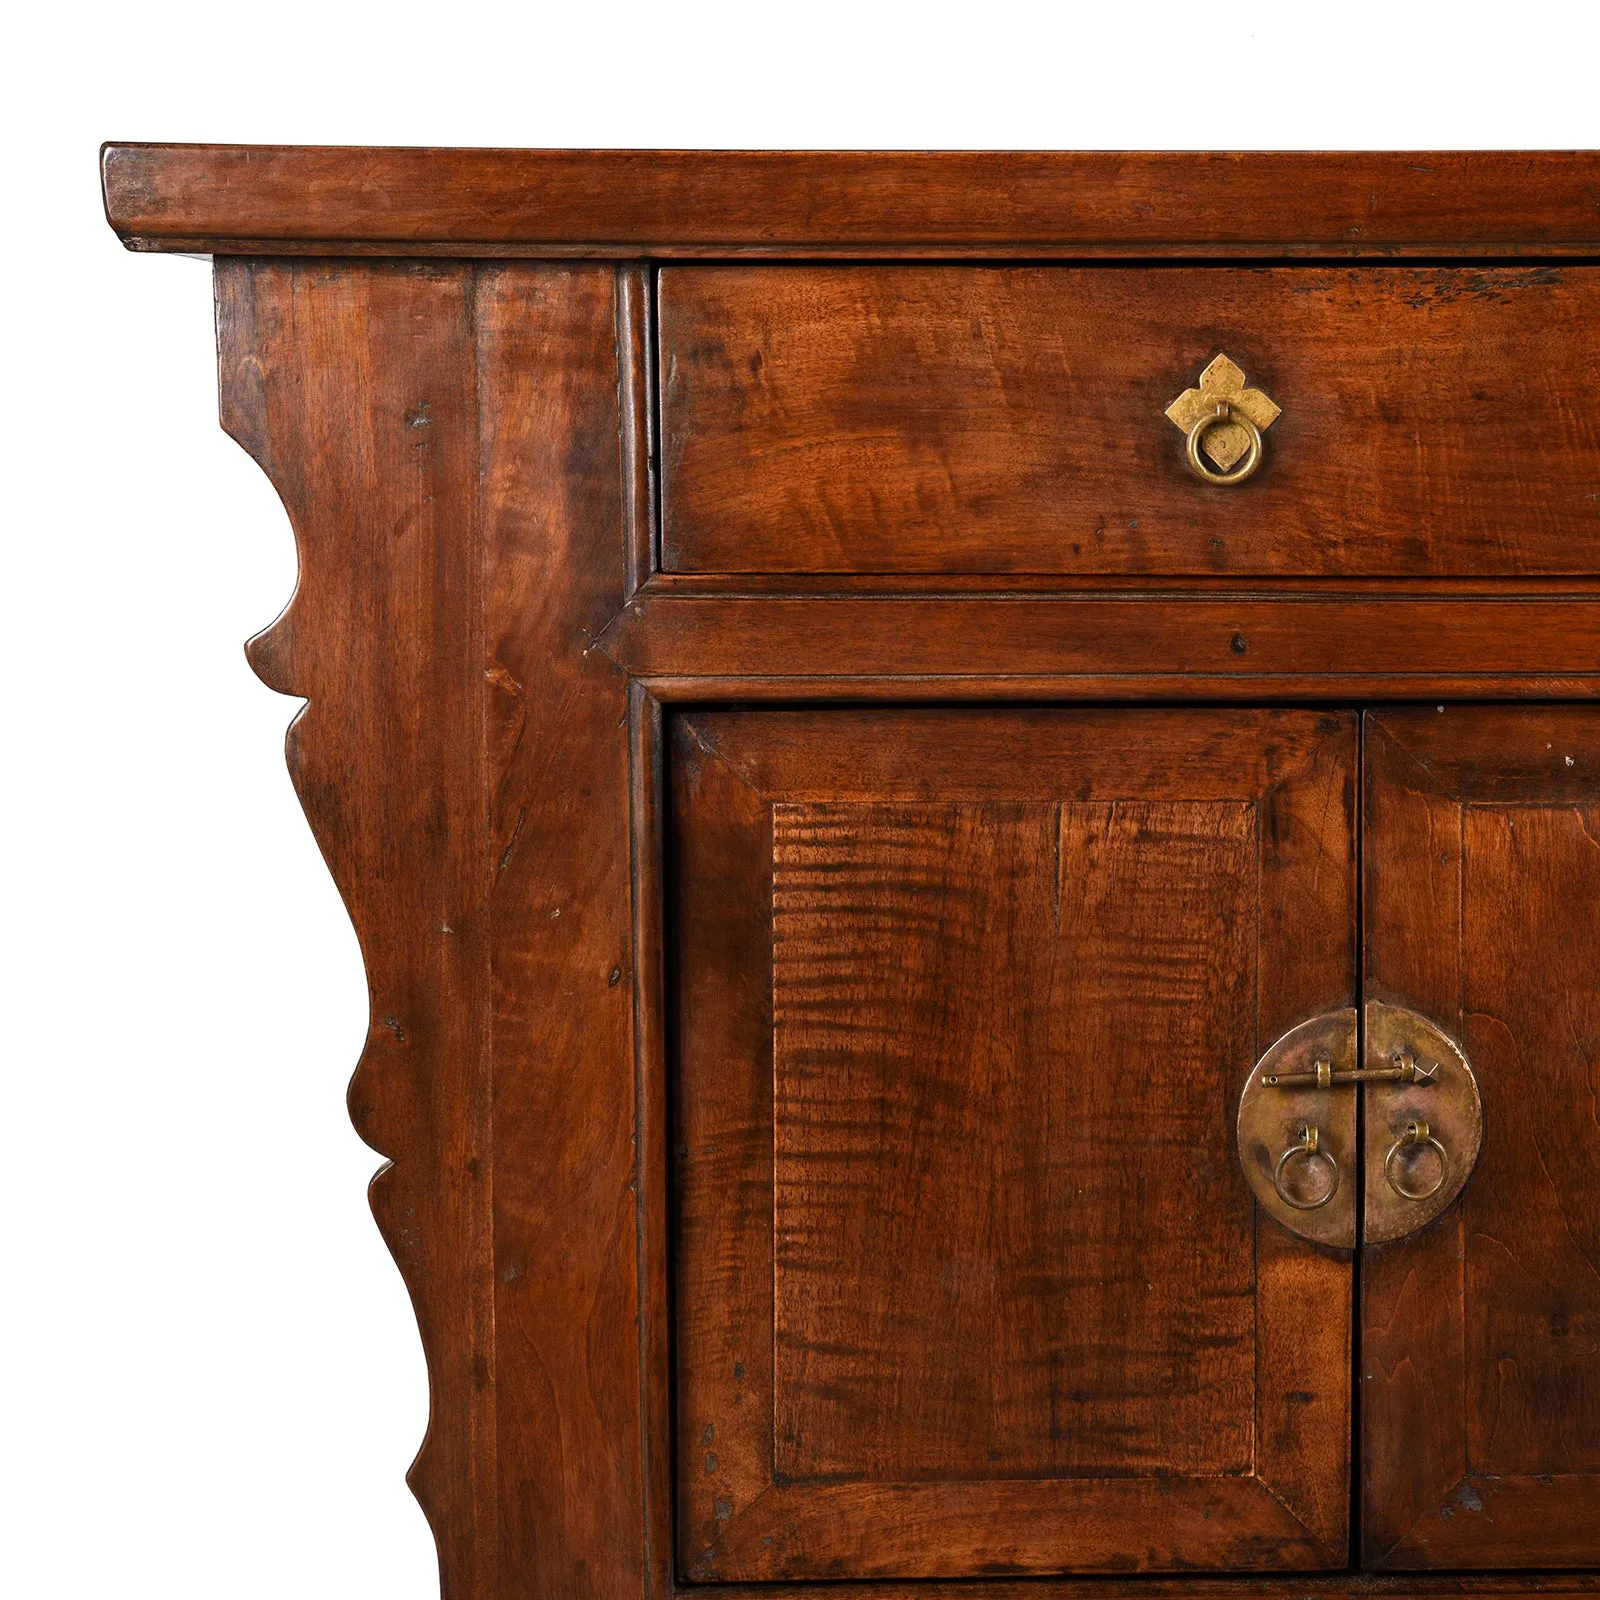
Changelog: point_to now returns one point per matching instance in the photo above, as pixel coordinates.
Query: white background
(210, 1380)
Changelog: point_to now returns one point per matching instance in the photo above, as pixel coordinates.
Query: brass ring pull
(1417, 1133)
(1224, 413)
(1309, 1148)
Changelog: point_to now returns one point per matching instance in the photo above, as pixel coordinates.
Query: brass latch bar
(1404, 1068)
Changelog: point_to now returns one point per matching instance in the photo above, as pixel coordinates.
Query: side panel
(445, 439)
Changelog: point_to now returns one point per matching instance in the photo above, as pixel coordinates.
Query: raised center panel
(967, 1280)
(964, 999)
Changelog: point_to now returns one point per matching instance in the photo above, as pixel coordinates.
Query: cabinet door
(968, 1279)
(1481, 1334)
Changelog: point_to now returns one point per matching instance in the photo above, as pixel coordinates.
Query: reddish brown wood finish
(1481, 1336)
(967, 1281)
(393, 681)
(467, 452)
(965, 419)
(445, 439)
(266, 199)
(1085, 646)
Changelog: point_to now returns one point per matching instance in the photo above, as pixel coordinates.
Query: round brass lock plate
(1422, 1136)
(1420, 1109)
(1297, 1142)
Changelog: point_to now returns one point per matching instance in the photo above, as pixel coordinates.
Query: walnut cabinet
(971, 789)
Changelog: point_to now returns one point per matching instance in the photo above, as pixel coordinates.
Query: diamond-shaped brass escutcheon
(1224, 422)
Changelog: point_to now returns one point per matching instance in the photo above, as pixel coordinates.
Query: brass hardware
(1297, 1133)
(1223, 421)
(1224, 417)
(1309, 1147)
(1416, 1135)
(1297, 1142)
(1407, 1117)
(1403, 1069)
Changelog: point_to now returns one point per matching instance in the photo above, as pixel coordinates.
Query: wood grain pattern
(445, 440)
(876, 1530)
(962, 419)
(570, 1498)
(326, 373)
(266, 199)
(648, 807)
(931, 1155)
(1081, 646)
(949, 967)
(719, 910)
(1482, 1334)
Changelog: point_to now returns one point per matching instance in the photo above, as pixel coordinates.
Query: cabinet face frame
(524, 1205)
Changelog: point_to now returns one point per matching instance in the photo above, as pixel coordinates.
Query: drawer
(949, 419)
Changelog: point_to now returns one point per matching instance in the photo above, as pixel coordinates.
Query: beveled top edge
(275, 199)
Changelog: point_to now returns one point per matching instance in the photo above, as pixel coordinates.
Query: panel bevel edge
(636, 413)
(647, 750)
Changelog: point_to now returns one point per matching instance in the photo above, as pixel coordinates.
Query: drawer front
(951, 419)
(967, 1279)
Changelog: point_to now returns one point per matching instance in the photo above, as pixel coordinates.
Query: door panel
(1481, 1334)
(968, 1279)
(942, 968)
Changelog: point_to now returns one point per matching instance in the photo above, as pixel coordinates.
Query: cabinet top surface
(281, 199)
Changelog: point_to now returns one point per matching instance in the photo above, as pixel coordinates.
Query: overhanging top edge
(409, 200)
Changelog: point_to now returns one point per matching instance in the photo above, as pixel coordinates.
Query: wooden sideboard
(970, 786)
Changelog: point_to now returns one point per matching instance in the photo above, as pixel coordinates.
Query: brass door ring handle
(1309, 1148)
(1224, 414)
(1416, 1133)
